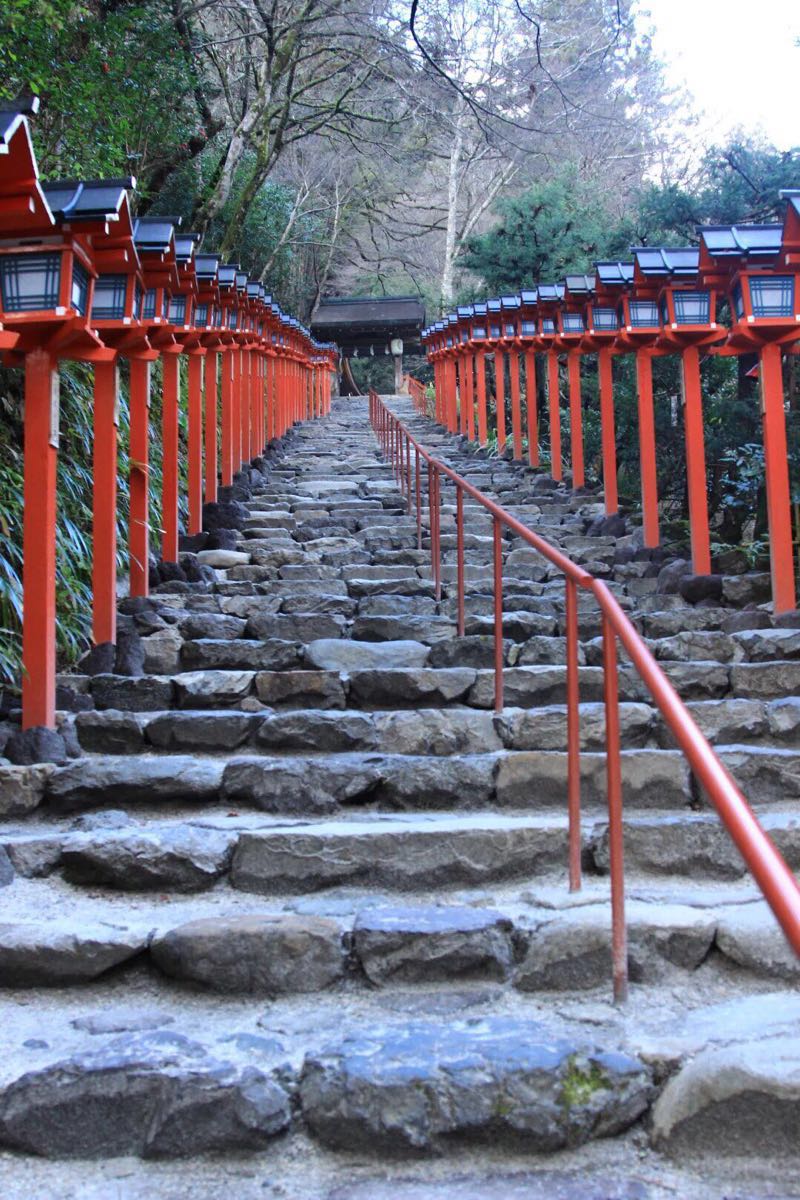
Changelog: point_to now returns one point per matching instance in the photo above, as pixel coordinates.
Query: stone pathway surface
(297, 896)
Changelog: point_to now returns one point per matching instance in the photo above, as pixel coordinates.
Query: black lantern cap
(154, 234)
(742, 241)
(669, 261)
(206, 266)
(185, 246)
(89, 200)
(551, 291)
(611, 274)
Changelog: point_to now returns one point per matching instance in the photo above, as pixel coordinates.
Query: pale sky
(738, 58)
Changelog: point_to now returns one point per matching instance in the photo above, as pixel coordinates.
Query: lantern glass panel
(232, 319)
(150, 303)
(464, 335)
(604, 318)
(30, 282)
(494, 330)
(692, 308)
(108, 302)
(529, 328)
(738, 302)
(644, 313)
(479, 331)
(137, 303)
(573, 322)
(177, 310)
(510, 330)
(548, 325)
(449, 341)
(772, 295)
(164, 304)
(80, 287)
(201, 314)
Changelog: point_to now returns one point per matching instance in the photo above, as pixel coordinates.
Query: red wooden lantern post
(226, 279)
(478, 331)
(510, 308)
(206, 319)
(116, 317)
(46, 290)
(548, 297)
(602, 329)
(688, 321)
(494, 316)
(154, 238)
(528, 341)
(639, 331)
(571, 329)
(759, 266)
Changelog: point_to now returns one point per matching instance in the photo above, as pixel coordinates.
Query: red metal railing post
(498, 613)
(619, 940)
(575, 418)
(460, 559)
(647, 445)
(433, 522)
(39, 542)
(607, 429)
(573, 736)
(139, 480)
(169, 440)
(530, 403)
(776, 468)
(104, 503)
(556, 468)
(408, 473)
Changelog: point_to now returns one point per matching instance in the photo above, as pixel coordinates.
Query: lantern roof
(241, 279)
(552, 292)
(89, 200)
(741, 241)
(529, 296)
(185, 246)
(670, 262)
(614, 274)
(579, 285)
(493, 305)
(480, 309)
(226, 275)
(465, 310)
(155, 235)
(510, 302)
(25, 209)
(206, 266)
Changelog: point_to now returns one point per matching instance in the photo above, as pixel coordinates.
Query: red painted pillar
(469, 363)
(226, 466)
(39, 542)
(139, 482)
(104, 503)
(575, 418)
(195, 389)
(556, 468)
(516, 408)
(530, 402)
(211, 425)
(480, 376)
(694, 435)
(500, 390)
(271, 368)
(647, 446)
(776, 467)
(236, 411)
(245, 432)
(453, 422)
(169, 469)
(607, 429)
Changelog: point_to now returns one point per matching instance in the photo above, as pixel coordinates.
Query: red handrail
(763, 860)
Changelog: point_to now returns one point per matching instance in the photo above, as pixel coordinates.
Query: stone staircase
(292, 910)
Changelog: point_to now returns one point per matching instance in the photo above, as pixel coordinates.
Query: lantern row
(736, 293)
(81, 280)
